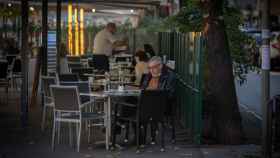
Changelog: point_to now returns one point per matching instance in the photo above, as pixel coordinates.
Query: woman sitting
(141, 66)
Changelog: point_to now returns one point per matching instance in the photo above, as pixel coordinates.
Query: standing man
(105, 41)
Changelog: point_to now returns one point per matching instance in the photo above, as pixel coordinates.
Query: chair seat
(85, 115)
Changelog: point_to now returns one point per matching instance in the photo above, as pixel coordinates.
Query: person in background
(105, 41)
(275, 53)
(149, 50)
(141, 66)
(63, 59)
(11, 47)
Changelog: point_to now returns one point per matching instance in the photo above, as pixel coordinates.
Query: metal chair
(69, 77)
(16, 72)
(149, 109)
(69, 109)
(83, 87)
(46, 81)
(81, 72)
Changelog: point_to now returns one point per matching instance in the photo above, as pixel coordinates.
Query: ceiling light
(9, 5)
(93, 10)
(131, 11)
(31, 9)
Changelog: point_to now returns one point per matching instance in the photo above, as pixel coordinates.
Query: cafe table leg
(106, 123)
(109, 119)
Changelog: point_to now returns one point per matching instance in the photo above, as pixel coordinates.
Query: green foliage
(155, 24)
(190, 18)
(240, 44)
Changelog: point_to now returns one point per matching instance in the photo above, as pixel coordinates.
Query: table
(130, 91)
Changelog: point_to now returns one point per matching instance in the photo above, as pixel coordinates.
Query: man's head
(155, 66)
(111, 27)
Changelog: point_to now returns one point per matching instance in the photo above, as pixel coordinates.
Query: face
(113, 29)
(155, 69)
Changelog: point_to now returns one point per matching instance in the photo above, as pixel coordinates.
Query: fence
(187, 52)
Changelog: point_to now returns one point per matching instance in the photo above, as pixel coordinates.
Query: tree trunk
(226, 125)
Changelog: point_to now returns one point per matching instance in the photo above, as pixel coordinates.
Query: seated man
(159, 78)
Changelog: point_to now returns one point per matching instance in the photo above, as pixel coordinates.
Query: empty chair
(81, 72)
(100, 63)
(83, 87)
(74, 59)
(74, 65)
(46, 81)
(68, 77)
(69, 109)
(74, 62)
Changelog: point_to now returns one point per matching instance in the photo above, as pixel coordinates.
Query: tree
(226, 58)
(220, 86)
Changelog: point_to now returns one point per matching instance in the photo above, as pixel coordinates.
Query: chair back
(16, 66)
(66, 98)
(74, 59)
(3, 69)
(152, 105)
(47, 81)
(82, 71)
(10, 59)
(83, 87)
(74, 65)
(69, 77)
(100, 62)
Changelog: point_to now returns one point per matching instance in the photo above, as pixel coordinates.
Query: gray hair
(155, 59)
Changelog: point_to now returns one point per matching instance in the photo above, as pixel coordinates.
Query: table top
(126, 92)
(114, 92)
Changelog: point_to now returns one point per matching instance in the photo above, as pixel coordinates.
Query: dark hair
(141, 55)
(278, 37)
(149, 49)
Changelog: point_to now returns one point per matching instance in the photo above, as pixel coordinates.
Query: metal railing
(187, 52)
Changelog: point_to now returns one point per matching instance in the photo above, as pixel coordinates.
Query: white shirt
(103, 42)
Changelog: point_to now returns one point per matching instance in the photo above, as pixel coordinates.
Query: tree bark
(226, 125)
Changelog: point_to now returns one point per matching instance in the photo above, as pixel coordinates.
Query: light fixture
(76, 23)
(31, 9)
(93, 10)
(131, 11)
(82, 49)
(70, 35)
(9, 4)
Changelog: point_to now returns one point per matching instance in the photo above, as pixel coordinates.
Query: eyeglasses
(153, 66)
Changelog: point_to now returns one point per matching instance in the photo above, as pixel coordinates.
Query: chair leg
(70, 134)
(114, 126)
(88, 129)
(58, 132)
(43, 118)
(162, 136)
(53, 134)
(79, 127)
(137, 136)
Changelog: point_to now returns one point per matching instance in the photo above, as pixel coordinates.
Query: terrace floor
(30, 142)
